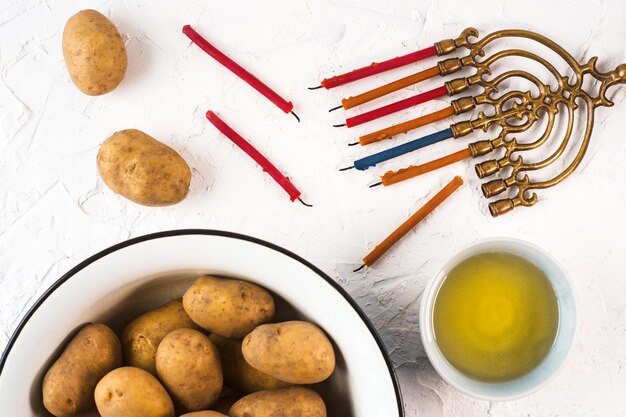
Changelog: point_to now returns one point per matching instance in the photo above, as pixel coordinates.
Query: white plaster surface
(56, 211)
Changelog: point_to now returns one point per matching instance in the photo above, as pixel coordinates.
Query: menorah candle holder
(513, 111)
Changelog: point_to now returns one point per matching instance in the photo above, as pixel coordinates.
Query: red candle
(397, 106)
(378, 67)
(245, 146)
(238, 70)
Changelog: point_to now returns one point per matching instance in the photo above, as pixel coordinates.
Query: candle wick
(353, 143)
(376, 184)
(334, 108)
(315, 88)
(308, 205)
(347, 168)
(296, 116)
(359, 268)
(341, 125)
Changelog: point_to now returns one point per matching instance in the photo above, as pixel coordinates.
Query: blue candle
(370, 161)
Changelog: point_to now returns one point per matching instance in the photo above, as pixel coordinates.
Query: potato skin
(286, 402)
(132, 392)
(94, 53)
(69, 383)
(293, 351)
(189, 366)
(206, 413)
(142, 169)
(228, 307)
(238, 374)
(142, 336)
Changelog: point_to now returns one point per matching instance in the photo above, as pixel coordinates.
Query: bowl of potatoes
(196, 323)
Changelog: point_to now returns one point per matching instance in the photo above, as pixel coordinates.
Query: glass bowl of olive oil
(499, 319)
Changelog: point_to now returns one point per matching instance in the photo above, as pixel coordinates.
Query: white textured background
(55, 211)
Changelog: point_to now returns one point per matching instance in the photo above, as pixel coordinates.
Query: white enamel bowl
(127, 279)
(548, 368)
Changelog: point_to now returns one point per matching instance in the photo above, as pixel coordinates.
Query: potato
(238, 375)
(207, 413)
(189, 365)
(228, 307)
(142, 336)
(132, 392)
(94, 53)
(293, 351)
(69, 384)
(286, 402)
(224, 403)
(142, 169)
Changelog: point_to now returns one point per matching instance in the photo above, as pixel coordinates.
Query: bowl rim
(438, 278)
(209, 232)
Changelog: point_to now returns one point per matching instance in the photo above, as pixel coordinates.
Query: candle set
(512, 111)
(231, 134)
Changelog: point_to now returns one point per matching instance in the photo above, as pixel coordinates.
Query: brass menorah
(513, 111)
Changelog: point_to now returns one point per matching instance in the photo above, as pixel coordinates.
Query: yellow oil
(495, 317)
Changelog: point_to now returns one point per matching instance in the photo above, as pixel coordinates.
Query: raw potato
(94, 53)
(207, 413)
(293, 351)
(238, 375)
(287, 402)
(142, 169)
(228, 307)
(189, 366)
(224, 403)
(68, 385)
(142, 336)
(132, 392)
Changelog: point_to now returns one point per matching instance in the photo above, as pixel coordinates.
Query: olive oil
(495, 317)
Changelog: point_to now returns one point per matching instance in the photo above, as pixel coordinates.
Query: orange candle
(350, 102)
(392, 177)
(406, 126)
(412, 221)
